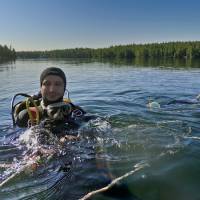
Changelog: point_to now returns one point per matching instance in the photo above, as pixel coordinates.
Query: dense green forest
(186, 50)
(7, 53)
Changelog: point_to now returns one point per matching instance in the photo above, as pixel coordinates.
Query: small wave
(95, 128)
(192, 137)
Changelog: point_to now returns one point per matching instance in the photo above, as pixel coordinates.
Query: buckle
(77, 113)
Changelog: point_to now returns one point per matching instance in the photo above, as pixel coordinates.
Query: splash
(39, 147)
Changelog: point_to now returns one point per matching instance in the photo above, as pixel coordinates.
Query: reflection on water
(152, 62)
(128, 133)
(6, 65)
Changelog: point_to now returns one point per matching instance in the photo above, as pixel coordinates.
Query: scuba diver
(50, 109)
(49, 105)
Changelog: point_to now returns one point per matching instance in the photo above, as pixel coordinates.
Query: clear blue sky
(59, 24)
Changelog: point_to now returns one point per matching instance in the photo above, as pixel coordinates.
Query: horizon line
(140, 43)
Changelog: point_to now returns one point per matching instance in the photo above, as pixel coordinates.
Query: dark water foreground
(163, 141)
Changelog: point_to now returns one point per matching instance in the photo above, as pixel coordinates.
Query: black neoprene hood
(53, 71)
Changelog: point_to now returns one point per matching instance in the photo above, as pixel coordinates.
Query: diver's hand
(69, 138)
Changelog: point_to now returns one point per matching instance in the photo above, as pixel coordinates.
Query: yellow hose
(28, 101)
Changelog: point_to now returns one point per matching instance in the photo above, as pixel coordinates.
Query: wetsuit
(59, 116)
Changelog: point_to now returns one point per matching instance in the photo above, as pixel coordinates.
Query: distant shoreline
(6, 53)
(182, 50)
(167, 50)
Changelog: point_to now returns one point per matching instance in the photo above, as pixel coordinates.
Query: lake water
(164, 141)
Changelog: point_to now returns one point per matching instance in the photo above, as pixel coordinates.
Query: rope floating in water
(115, 181)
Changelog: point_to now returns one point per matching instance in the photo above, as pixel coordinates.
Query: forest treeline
(185, 50)
(7, 53)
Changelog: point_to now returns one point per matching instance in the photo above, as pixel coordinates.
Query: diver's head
(52, 85)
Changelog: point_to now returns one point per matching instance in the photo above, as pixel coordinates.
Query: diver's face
(52, 88)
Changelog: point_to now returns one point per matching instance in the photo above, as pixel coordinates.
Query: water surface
(129, 133)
